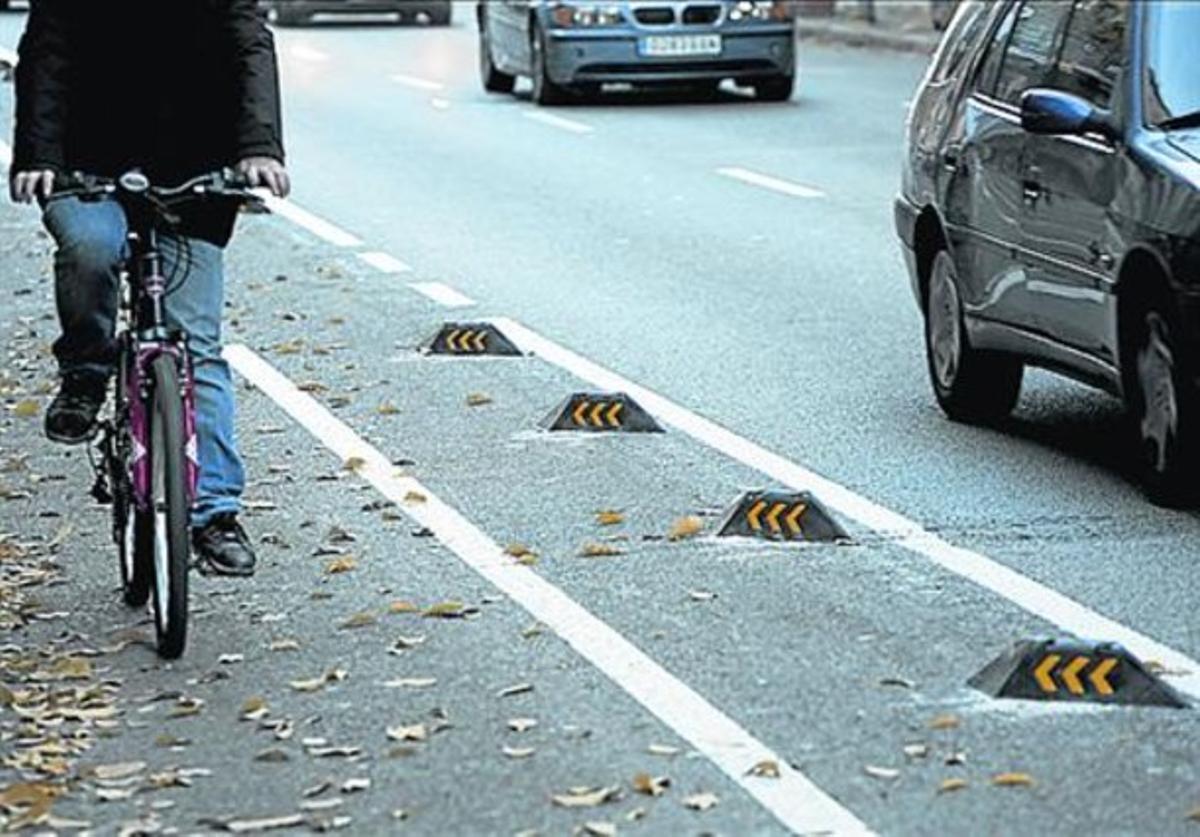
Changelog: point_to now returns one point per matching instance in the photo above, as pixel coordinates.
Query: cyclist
(175, 89)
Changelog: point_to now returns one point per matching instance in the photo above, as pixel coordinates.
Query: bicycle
(149, 467)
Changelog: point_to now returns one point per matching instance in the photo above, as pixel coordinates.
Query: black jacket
(174, 87)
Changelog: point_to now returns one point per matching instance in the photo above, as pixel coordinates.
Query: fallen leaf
(1013, 780)
(521, 724)
(254, 708)
(519, 551)
(445, 610)
(284, 645)
(518, 752)
(952, 785)
(387, 408)
(334, 752)
(478, 399)
(406, 643)
(273, 755)
(411, 683)
(899, 682)
(586, 797)
(518, 689)
(685, 527)
(411, 732)
(359, 620)
(700, 801)
(121, 770)
(340, 565)
(415, 497)
(916, 751)
(956, 759)
(766, 769)
(169, 741)
(599, 550)
(354, 464)
(246, 826)
(230, 659)
(701, 595)
(881, 772)
(114, 794)
(356, 785)
(403, 607)
(322, 804)
(600, 829)
(662, 750)
(945, 722)
(649, 785)
(636, 814)
(609, 518)
(26, 409)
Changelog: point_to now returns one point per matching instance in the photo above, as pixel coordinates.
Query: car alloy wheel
(1164, 414)
(945, 328)
(545, 91)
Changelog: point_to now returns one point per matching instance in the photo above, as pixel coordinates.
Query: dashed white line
(416, 82)
(317, 226)
(775, 184)
(443, 294)
(1024, 592)
(384, 262)
(792, 798)
(307, 53)
(560, 122)
(5, 155)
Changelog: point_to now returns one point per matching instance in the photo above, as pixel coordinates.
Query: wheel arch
(929, 238)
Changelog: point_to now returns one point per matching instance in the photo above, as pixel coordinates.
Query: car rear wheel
(1164, 409)
(545, 91)
(971, 385)
(493, 80)
(777, 89)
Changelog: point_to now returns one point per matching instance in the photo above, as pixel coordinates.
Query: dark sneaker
(71, 418)
(223, 547)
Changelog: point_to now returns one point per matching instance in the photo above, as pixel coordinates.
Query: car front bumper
(402, 7)
(578, 57)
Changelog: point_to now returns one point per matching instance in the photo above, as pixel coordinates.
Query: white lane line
(1036, 598)
(317, 226)
(384, 262)
(416, 82)
(443, 294)
(792, 798)
(5, 155)
(775, 184)
(560, 122)
(307, 53)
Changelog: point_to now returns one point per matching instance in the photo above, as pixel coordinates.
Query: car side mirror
(1053, 112)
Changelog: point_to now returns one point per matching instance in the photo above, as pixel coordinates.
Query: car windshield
(1173, 89)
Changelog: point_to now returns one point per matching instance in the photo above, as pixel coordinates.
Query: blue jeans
(91, 239)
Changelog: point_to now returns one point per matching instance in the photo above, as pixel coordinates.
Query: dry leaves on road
(701, 801)
(765, 769)
(522, 554)
(521, 724)
(586, 797)
(609, 517)
(478, 399)
(649, 785)
(409, 732)
(362, 619)
(876, 772)
(685, 527)
(952, 785)
(518, 689)
(599, 550)
(945, 722)
(254, 708)
(341, 565)
(26, 409)
(517, 752)
(662, 750)
(598, 828)
(1013, 780)
(411, 683)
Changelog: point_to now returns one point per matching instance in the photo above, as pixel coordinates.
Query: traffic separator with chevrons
(612, 412)
(781, 516)
(1075, 670)
(471, 339)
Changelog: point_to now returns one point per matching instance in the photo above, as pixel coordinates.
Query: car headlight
(764, 10)
(587, 14)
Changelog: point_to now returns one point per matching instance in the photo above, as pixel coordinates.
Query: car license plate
(658, 46)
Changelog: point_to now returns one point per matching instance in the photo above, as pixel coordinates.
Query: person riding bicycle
(175, 89)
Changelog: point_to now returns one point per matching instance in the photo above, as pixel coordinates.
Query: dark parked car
(568, 46)
(1050, 213)
(292, 12)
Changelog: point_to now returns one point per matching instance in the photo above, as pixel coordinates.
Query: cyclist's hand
(266, 171)
(24, 186)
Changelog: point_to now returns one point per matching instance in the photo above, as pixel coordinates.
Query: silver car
(571, 47)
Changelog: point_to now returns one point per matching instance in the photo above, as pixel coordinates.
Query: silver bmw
(571, 47)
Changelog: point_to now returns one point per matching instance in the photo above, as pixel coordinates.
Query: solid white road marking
(5, 155)
(792, 798)
(303, 218)
(765, 181)
(384, 262)
(1036, 598)
(414, 81)
(562, 123)
(307, 53)
(443, 294)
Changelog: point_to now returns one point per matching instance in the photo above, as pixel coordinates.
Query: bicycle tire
(169, 495)
(133, 533)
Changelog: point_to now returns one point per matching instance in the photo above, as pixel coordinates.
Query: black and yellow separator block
(781, 516)
(1077, 671)
(471, 340)
(591, 412)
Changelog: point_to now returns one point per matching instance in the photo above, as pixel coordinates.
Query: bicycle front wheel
(169, 496)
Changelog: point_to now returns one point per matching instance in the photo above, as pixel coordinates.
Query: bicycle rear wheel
(169, 495)
(133, 532)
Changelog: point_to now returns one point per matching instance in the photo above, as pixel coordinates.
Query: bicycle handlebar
(134, 186)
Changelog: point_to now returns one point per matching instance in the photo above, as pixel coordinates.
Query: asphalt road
(618, 235)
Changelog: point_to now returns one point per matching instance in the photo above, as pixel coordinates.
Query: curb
(863, 36)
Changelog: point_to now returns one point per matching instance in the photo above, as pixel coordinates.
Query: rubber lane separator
(775, 184)
(562, 123)
(1030, 595)
(791, 798)
(303, 218)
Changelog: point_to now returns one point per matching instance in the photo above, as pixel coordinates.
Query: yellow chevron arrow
(752, 515)
(773, 517)
(793, 519)
(578, 414)
(1099, 677)
(1042, 674)
(1070, 675)
(450, 340)
(465, 340)
(596, 411)
(481, 341)
(614, 414)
